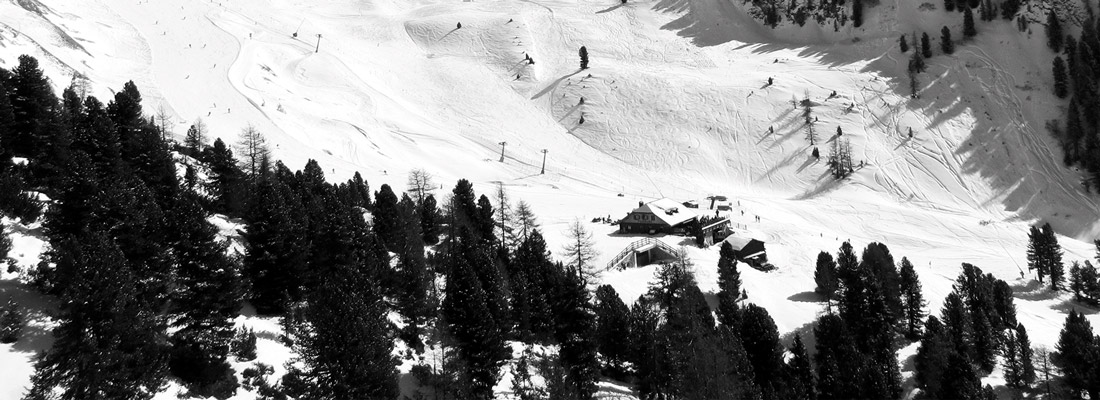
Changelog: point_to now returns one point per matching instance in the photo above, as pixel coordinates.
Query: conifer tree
(949, 5)
(1073, 354)
(857, 13)
(1036, 254)
(209, 298)
(1053, 256)
(196, 138)
(584, 57)
(912, 300)
(799, 372)
(1027, 367)
(485, 219)
(903, 44)
(760, 338)
(478, 335)
(1061, 88)
(429, 220)
(227, 181)
(960, 380)
(347, 344)
(968, 23)
(109, 344)
(612, 330)
(33, 105)
(1009, 8)
(932, 357)
(825, 275)
(957, 324)
(385, 218)
(729, 286)
(413, 277)
(576, 327)
(1054, 31)
(837, 359)
(946, 44)
(925, 45)
(275, 262)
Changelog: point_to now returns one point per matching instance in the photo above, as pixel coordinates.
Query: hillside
(676, 104)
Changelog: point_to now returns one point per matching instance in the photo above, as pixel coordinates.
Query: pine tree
(1090, 282)
(413, 276)
(903, 44)
(227, 181)
(196, 138)
(837, 360)
(1036, 254)
(584, 57)
(1054, 31)
(1053, 256)
(1060, 86)
(612, 330)
(1009, 8)
(968, 23)
(1027, 368)
(857, 13)
(760, 338)
(109, 344)
(729, 286)
(275, 261)
(347, 345)
(385, 218)
(429, 220)
(478, 335)
(1076, 345)
(946, 44)
(932, 356)
(799, 372)
(916, 61)
(576, 327)
(925, 45)
(912, 299)
(825, 275)
(960, 380)
(209, 298)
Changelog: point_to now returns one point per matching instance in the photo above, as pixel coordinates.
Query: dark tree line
(1076, 77)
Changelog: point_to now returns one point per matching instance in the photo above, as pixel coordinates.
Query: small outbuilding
(748, 250)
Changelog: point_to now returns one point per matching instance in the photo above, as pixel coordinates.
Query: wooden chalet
(659, 216)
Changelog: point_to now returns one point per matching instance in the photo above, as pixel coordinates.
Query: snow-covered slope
(675, 104)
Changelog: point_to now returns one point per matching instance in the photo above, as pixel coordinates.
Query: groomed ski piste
(676, 104)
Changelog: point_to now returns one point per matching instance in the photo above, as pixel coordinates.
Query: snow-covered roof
(668, 211)
(737, 242)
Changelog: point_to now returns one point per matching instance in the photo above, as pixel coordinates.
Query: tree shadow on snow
(37, 335)
(553, 85)
(610, 9)
(807, 297)
(1069, 305)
